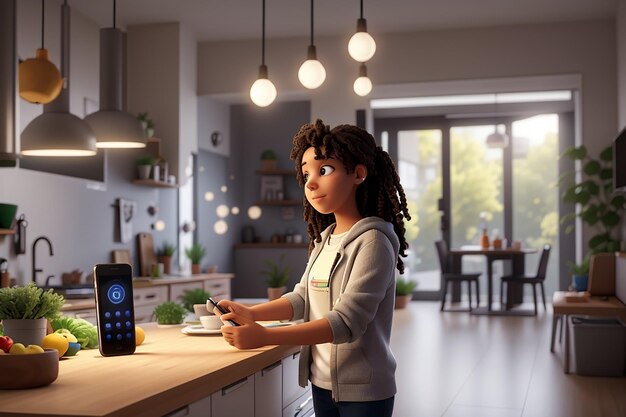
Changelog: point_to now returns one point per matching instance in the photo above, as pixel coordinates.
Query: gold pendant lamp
(40, 81)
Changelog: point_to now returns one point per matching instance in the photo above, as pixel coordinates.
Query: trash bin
(599, 346)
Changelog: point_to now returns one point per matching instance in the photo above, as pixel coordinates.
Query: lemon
(56, 341)
(140, 335)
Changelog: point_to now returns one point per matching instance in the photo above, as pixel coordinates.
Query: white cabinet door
(291, 389)
(268, 391)
(301, 407)
(218, 288)
(146, 299)
(234, 400)
(200, 408)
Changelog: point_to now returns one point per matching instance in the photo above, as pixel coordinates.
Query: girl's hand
(248, 335)
(239, 309)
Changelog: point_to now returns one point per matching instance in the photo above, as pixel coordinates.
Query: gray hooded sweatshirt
(361, 301)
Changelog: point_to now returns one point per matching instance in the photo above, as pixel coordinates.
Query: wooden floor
(454, 364)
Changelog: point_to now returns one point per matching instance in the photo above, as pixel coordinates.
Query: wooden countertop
(168, 371)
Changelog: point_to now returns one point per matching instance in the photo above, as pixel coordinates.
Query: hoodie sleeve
(296, 297)
(371, 273)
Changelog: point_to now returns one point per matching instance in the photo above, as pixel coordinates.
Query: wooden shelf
(7, 232)
(276, 172)
(269, 245)
(279, 203)
(153, 183)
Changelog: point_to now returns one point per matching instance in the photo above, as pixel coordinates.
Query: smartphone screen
(223, 311)
(114, 306)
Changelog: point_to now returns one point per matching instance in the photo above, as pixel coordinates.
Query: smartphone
(223, 311)
(114, 307)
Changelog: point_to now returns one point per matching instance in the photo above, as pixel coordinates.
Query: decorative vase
(581, 282)
(195, 269)
(26, 331)
(402, 301)
(167, 264)
(274, 293)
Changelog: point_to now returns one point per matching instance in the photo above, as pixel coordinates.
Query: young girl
(354, 207)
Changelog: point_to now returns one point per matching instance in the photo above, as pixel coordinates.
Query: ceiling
(214, 20)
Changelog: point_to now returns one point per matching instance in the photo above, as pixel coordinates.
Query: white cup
(211, 322)
(201, 310)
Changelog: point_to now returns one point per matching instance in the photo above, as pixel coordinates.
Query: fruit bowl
(30, 370)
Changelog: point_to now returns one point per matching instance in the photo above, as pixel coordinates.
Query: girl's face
(327, 185)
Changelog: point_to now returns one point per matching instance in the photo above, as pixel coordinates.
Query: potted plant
(144, 165)
(277, 278)
(580, 273)
(404, 292)
(147, 124)
(268, 160)
(25, 312)
(169, 312)
(195, 254)
(600, 209)
(164, 256)
(195, 296)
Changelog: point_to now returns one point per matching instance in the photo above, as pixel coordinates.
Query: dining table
(517, 258)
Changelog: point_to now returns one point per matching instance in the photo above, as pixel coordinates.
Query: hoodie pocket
(353, 367)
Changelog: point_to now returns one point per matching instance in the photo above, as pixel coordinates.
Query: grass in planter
(170, 312)
(404, 286)
(29, 302)
(195, 296)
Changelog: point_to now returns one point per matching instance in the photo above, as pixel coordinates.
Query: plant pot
(274, 293)
(26, 331)
(268, 164)
(143, 171)
(195, 269)
(402, 301)
(167, 264)
(580, 282)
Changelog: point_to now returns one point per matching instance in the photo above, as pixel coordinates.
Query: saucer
(199, 330)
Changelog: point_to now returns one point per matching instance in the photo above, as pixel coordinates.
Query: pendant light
(57, 132)
(311, 73)
(497, 139)
(114, 127)
(361, 46)
(362, 85)
(39, 79)
(263, 92)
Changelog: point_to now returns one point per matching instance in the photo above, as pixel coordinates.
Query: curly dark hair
(381, 195)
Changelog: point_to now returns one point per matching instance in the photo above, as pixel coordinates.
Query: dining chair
(533, 280)
(448, 277)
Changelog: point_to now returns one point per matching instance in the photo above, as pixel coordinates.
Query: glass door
(419, 168)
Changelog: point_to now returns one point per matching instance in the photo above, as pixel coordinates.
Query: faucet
(35, 269)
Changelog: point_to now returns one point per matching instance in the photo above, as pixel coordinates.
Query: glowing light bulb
(362, 46)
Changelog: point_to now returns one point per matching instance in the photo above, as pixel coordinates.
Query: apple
(5, 344)
(33, 349)
(17, 349)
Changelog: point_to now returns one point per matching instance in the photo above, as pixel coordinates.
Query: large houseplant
(599, 208)
(25, 312)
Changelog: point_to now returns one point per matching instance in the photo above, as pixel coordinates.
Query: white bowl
(211, 322)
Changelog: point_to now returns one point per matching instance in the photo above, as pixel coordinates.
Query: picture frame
(272, 187)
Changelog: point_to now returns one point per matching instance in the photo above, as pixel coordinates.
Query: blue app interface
(117, 324)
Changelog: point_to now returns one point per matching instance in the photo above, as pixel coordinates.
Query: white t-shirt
(319, 305)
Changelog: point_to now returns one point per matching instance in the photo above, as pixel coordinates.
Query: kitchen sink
(76, 291)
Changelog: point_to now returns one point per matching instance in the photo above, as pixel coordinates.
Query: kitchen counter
(168, 371)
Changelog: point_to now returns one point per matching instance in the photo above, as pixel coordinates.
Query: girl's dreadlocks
(380, 195)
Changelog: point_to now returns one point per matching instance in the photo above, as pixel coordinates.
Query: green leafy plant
(195, 253)
(581, 268)
(195, 296)
(404, 286)
(146, 160)
(277, 275)
(599, 208)
(169, 312)
(29, 302)
(167, 249)
(268, 154)
(145, 120)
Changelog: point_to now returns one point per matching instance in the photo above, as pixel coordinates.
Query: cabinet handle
(270, 368)
(181, 412)
(234, 386)
(150, 296)
(295, 355)
(302, 407)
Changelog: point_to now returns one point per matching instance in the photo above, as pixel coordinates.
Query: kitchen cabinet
(177, 291)
(268, 391)
(236, 399)
(146, 299)
(218, 288)
(291, 389)
(200, 408)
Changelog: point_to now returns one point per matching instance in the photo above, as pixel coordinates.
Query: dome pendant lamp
(311, 73)
(57, 132)
(361, 46)
(39, 79)
(263, 92)
(362, 85)
(114, 127)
